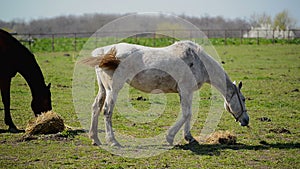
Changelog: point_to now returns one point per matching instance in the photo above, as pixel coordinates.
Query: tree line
(282, 20)
(92, 22)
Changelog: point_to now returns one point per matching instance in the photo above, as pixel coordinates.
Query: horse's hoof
(170, 140)
(190, 139)
(13, 130)
(96, 142)
(116, 144)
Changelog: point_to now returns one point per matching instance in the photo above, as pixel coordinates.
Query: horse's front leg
(186, 104)
(110, 100)
(187, 127)
(5, 93)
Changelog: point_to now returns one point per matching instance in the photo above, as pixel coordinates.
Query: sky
(34, 9)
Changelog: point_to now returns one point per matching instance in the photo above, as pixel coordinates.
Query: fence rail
(74, 41)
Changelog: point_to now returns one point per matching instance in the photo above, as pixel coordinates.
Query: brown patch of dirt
(280, 131)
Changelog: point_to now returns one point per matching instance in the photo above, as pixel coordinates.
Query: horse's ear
(240, 85)
(49, 86)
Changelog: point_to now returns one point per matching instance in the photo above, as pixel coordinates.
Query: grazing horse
(179, 68)
(16, 58)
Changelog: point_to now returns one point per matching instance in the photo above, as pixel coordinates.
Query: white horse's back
(154, 68)
(125, 49)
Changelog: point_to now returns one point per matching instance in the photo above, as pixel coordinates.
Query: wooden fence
(75, 41)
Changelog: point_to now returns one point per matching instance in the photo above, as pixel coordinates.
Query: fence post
(273, 37)
(154, 44)
(75, 43)
(52, 42)
(29, 41)
(117, 37)
(225, 37)
(241, 40)
(173, 35)
(135, 39)
(257, 39)
(288, 36)
(96, 40)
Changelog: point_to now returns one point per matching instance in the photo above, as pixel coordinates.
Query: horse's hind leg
(5, 93)
(97, 106)
(96, 109)
(110, 100)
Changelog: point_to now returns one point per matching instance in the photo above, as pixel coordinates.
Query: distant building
(266, 31)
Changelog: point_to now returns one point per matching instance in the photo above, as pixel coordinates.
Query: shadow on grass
(214, 149)
(7, 131)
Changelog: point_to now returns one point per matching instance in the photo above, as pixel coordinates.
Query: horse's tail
(105, 61)
(91, 61)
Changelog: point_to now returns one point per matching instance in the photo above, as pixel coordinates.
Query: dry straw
(46, 123)
(222, 137)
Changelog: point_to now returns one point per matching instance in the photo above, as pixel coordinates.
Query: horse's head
(42, 102)
(235, 104)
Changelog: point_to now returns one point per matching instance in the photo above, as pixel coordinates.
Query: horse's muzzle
(244, 119)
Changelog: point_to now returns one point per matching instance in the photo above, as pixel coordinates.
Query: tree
(283, 20)
(258, 20)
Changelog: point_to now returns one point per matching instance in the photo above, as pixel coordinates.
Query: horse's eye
(244, 99)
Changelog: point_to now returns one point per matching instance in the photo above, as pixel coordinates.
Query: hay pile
(46, 123)
(222, 137)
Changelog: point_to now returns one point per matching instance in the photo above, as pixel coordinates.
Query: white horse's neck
(217, 77)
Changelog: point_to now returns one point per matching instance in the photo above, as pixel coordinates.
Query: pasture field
(271, 84)
(64, 44)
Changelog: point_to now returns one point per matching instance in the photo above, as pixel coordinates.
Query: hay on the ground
(222, 137)
(46, 123)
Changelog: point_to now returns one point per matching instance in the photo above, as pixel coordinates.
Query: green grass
(270, 75)
(63, 44)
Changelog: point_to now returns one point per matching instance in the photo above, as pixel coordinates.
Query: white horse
(179, 68)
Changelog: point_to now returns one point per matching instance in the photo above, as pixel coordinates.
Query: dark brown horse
(16, 58)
